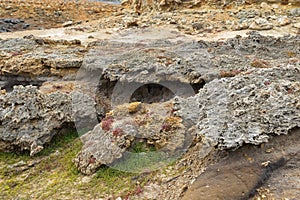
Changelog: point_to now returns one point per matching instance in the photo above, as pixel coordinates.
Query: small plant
(171, 123)
(257, 63)
(230, 73)
(118, 132)
(106, 123)
(166, 127)
(134, 107)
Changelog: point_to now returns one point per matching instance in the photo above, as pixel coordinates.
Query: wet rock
(29, 119)
(246, 108)
(261, 24)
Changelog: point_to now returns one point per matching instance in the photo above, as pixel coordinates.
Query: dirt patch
(270, 169)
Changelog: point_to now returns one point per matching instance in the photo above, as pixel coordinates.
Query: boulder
(29, 119)
(247, 108)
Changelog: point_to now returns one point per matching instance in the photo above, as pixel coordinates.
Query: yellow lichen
(134, 107)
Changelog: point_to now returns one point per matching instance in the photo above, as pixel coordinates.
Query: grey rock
(10, 25)
(111, 140)
(295, 12)
(29, 119)
(40, 59)
(261, 24)
(246, 108)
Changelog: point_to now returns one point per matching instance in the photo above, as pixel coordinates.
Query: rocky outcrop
(247, 108)
(29, 119)
(34, 59)
(152, 125)
(139, 5)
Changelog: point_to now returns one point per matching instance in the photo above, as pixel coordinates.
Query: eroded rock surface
(153, 124)
(34, 59)
(246, 108)
(29, 119)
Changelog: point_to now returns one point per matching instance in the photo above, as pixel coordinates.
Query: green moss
(54, 176)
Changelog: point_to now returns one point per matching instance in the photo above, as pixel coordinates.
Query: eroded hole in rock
(8, 83)
(198, 86)
(152, 93)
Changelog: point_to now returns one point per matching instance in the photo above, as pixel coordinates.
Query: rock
(265, 6)
(246, 14)
(295, 12)
(245, 108)
(29, 119)
(283, 21)
(123, 127)
(244, 172)
(11, 24)
(240, 26)
(297, 25)
(261, 24)
(40, 59)
(68, 23)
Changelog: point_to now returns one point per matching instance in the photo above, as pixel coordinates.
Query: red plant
(106, 123)
(166, 127)
(118, 132)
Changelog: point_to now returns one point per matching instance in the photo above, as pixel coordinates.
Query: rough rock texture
(9, 25)
(246, 108)
(29, 119)
(34, 59)
(139, 5)
(152, 124)
(186, 60)
(146, 61)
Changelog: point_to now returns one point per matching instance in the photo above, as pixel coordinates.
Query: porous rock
(29, 119)
(246, 108)
(126, 124)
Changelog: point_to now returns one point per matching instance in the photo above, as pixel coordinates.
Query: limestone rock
(29, 119)
(245, 108)
(261, 24)
(127, 124)
(40, 59)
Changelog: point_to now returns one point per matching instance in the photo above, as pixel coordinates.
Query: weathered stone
(261, 24)
(252, 169)
(40, 59)
(108, 141)
(246, 108)
(29, 119)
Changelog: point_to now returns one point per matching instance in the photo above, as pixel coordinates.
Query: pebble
(283, 21)
(261, 24)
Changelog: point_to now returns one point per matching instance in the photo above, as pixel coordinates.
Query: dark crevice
(198, 86)
(10, 81)
(152, 93)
